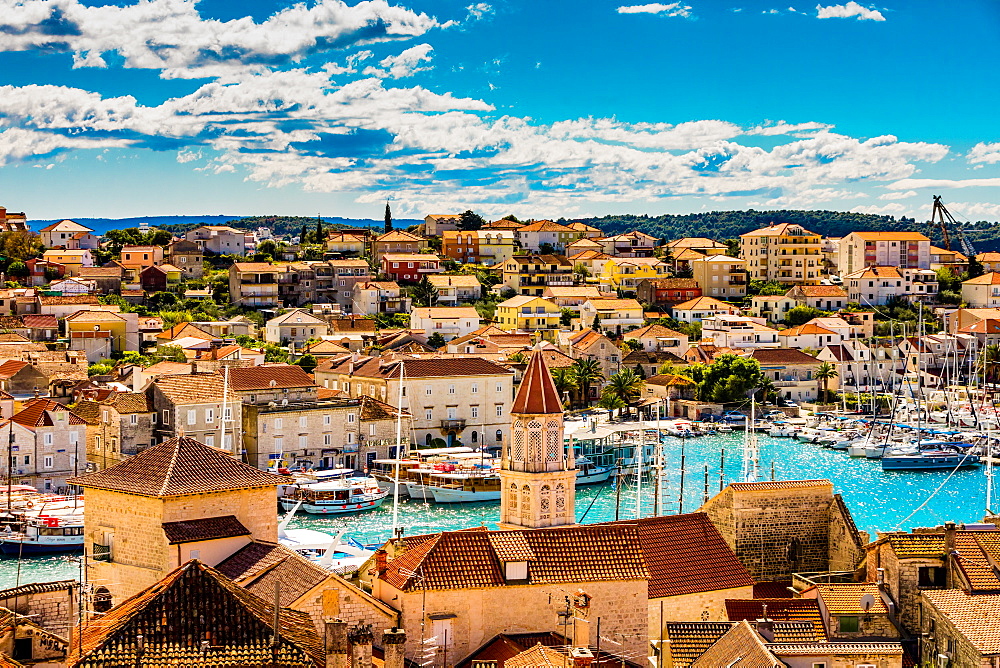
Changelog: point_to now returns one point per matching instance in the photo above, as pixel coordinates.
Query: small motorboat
(335, 497)
(337, 553)
(44, 534)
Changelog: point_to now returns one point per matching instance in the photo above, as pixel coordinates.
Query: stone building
(120, 425)
(26, 642)
(537, 474)
(192, 405)
(785, 527)
(313, 434)
(51, 605)
(960, 629)
(188, 256)
(855, 610)
(48, 447)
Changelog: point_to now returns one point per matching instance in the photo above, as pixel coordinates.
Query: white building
(891, 249)
(448, 321)
(876, 285)
(220, 239)
(738, 331)
(453, 290)
(982, 291)
(295, 327)
(700, 308)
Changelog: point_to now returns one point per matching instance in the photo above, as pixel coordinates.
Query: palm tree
(625, 385)
(587, 372)
(565, 380)
(989, 362)
(611, 402)
(824, 373)
(767, 389)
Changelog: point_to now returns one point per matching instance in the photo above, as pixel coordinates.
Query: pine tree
(388, 218)
(596, 325)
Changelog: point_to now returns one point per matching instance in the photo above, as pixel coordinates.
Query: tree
(824, 373)
(424, 293)
(768, 391)
(989, 363)
(320, 237)
(727, 379)
(517, 358)
(628, 345)
(546, 249)
(611, 402)
(172, 354)
(800, 315)
(511, 217)
(639, 371)
(470, 221)
(566, 316)
(161, 301)
(308, 362)
(626, 385)
(99, 369)
(765, 288)
(733, 247)
(20, 245)
(565, 380)
(17, 269)
(435, 340)
(388, 218)
(304, 234)
(976, 268)
(268, 247)
(587, 373)
(596, 324)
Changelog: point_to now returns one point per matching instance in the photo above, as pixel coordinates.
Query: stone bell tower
(538, 475)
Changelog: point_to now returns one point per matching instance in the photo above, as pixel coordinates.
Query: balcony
(453, 424)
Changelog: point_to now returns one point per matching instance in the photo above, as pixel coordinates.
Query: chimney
(393, 647)
(582, 657)
(381, 561)
(335, 641)
(360, 639)
(949, 537)
(765, 627)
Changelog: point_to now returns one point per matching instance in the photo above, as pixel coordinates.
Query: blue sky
(542, 109)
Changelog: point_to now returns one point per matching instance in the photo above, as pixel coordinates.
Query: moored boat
(44, 534)
(336, 497)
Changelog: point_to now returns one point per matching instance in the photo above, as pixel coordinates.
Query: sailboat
(333, 552)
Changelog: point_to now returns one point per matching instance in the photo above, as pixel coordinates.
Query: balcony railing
(453, 424)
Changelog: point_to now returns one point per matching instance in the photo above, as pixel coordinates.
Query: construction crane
(943, 218)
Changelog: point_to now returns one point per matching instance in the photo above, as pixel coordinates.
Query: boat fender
(30, 504)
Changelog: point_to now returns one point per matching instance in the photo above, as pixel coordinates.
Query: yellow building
(624, 273)
(721, 276)
(100, 334)
(786, 253)
(528, 314)
(73, 260)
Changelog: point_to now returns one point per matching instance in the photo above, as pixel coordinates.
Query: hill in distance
(280, 225)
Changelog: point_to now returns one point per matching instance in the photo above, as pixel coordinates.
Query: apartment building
(449, 321)
(48, 446)
(667, 291)
(525, 313)
(486, 247)
(374, 297)
(859, 250)
(346, 244)
(410, 267)
(982, 291)
(188, 256)
(199, 406)
(436, 224)
(137, 258)
(630, 244)
(397, 242)
(531, 274)
(625, 274)
(787, 253)
(615, 315)
(738, 332)
(253, 284)
(877, 285)
(545, 233)
(791, 371)
(452, 290)
(218, 239)
(700, 308)
(720, 276)
(823, 297)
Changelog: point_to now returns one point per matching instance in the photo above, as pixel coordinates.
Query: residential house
(986, 332)
(47, 446)
(960, 629)
(657, 338)
(188, 256)
(448, 321)
(680, 262)
(982, 291)
(41, 327)
(253, 284)
(822, 297)
(649, 363)
(906, 250)
(120, 426)
(454, 399)
(589, 264)
(525, 313)
(720, 276)
(701, 245)
(617, 315)
(953, 261)
(877, 285)
(809, 335)
(793, 372)
(107, 279)
(73, 286)
(787, 253)
(630, 244)
(295, 327)
(334, 281)
(453, 290)
(198, 406)
(397, 242)
(505, 224)
(588, 231)
(990, 261)
(64, 305)
(60, 235)
(410, 268)
(436, 224)
(667, 291)
(375, 297)
(545, 236)
(40, 271)
(625, 274)
(72, 260)
(486, 247)
(22, 379)
(137, 258)
(700, 308)
(584, 244)
(160, 278)
(738, 332)
(531, 274)
(346, 244)
(490, 342)
(218, 239)
(669, 388)
(101, 334)
(572, 297)
(12, 222)
(773, 308)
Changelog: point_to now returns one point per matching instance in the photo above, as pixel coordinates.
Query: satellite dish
(867, 602)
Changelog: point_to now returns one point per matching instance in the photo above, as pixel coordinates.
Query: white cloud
(894, 209)
(671, 9)
(479, 11)
(895, 196)
(944, 183)
(769, 129)
(171, 35)
(975, 210)
(847, 11)
(405, 64)
(984, 153)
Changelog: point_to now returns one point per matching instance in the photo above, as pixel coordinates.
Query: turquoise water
(879, 501)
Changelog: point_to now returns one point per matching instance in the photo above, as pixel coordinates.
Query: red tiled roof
(537, 394)
(778, 484)
(178, 467)
(380, 367)
(768, 356)
(10, 368)
(195, 388)
(976, 617)
(261, 377)
(689, 640)
(37, 413)
(778, 609)
(40, 321)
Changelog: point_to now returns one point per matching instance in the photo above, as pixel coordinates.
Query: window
(192, 417)
(848, 624)
(227, 413)
(371, 429)
(821, 664)
(209, 416)
(327, 420)
(210, 440)
(303, 442)
(278, 423)
(279, 444)
(475, 412)
(499, 387)
(74, 437)
(932, 576)
(27, 458)
(428, 414)
(350, 418)
(48, 439)
(452, 413)
(47, 462)
(451, 389)
(499, 410)
(475, 388)
(133, 418)
(499, 436)
(327, 439)
(104, 416)
(350, 437)
(303, 422)
(427, 390)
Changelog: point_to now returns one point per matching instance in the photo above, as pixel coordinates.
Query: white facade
(891, 249)
(449, 322)
(875, 286)
(736, 331)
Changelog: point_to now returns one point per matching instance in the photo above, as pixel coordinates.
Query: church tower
(537, 475)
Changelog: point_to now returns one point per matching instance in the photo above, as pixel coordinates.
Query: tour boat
(589, 473)
(464, 487)
(44, 534)
(335, 497)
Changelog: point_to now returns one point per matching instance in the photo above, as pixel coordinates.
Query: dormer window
(515, 570)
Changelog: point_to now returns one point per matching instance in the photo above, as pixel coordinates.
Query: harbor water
(879, 501)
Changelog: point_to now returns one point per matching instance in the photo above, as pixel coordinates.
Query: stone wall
(847, 545)
(849, 661)
(708, 606)
(51, 606)
(869, 626)
(337, 599)
(902, 581)
(936, 633)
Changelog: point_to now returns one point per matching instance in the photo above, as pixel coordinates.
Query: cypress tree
(388, 218)
(303, 234)
(319, 230)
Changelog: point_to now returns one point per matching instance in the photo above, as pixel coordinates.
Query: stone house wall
(708, 606)
(850, 661)
(335, 598)
(902, 577)
(937, 631)
(50, 605)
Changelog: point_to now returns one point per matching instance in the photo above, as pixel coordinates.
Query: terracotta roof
(257, 566)
(614, 304)
(208, 528)
(445, 281)
(100, 272)
(373, 409)
(673, 283)
(538, 656)
(805, 330)
(977, 617)
(377, 367)
(768, 356)
(779, 609)
(689, 640)
(891, 236)
(468, 559)
(878, 271)
(985, 326)
(845, 599)
(558, 260)
(537, 393)
(778, 484)
(397, 236)
(655, 332)
(686, 554)
(991, 256)
(445, 312)
(670, 380)
(585, 291)
(705, 303)
(178, 467)
(654, 357)
(10, 368)
(776, 230)
(741, 645)
(38, 413)
(991, 278)
(40, 321)
(555, 359)
(917, 545)
(410, 257)
(52, 300)
(195, 601)
(822, 291)
(195, 388)
(266, 377)
(695, 242)
(256, 267)
(865, 649)
(544, 226)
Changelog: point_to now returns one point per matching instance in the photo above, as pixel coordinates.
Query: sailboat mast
(399, 454)
(638, 472)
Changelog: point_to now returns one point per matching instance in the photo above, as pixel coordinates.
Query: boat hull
(445, 495)
(333, 508)
(928, 464)
(15, 547)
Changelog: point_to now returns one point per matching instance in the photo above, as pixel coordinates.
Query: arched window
(427, 439)
(499, 436)
(475, 437)
(102, 600)
(512, 496)
(544, 501)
